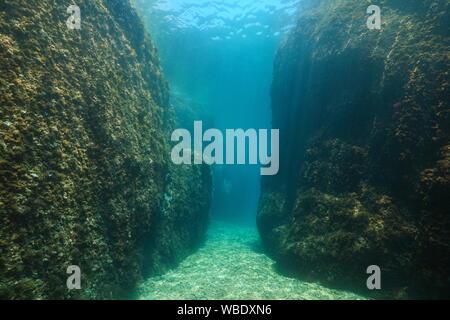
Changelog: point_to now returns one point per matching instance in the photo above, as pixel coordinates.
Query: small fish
(397, 105)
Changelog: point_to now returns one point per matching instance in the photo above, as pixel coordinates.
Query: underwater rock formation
(365, 155)
(184, 220)
(84, 156)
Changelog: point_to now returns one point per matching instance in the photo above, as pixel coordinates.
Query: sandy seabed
(231, 265)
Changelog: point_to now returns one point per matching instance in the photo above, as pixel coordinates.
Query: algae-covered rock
(364, 122)
(84, 156)
(184, 220)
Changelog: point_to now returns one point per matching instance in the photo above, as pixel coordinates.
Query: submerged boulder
(365, 156)
(84, 156)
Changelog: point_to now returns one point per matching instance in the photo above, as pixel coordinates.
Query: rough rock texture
(184, 220)
(84, 157)
(365, 152)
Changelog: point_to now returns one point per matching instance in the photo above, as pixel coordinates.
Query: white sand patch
(230, 266)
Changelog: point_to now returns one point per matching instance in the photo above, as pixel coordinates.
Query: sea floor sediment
(232, 266)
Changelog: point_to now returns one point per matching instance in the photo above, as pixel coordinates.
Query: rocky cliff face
(365, 154)
(84, 161)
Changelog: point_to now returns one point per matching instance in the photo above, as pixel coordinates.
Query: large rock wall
(84, 159)
(181, 227)
(365, 154)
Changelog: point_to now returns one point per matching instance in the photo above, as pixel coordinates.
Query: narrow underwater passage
(218, 59)
(220, 72)
(105, 191)
(231, 265)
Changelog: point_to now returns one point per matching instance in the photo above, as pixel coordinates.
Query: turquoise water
(218, 57)
(102, 102)
(232, 266)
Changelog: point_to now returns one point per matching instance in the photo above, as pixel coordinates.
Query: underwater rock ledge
(84, 160)
(365, 155)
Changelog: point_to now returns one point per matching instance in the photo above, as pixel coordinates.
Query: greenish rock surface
(84, 162)
(365, 156)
